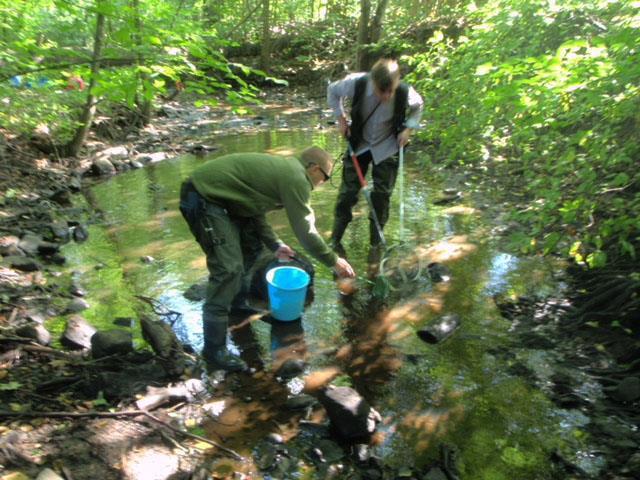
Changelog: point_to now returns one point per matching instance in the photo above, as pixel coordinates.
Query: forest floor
(52, 413)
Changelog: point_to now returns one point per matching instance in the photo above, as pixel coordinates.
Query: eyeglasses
(327, 177)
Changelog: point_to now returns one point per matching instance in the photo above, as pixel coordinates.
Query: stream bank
(537, 323)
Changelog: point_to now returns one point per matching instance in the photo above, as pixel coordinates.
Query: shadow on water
(460, 391)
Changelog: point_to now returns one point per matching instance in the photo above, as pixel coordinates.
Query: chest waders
(348, 194)
(366, 191)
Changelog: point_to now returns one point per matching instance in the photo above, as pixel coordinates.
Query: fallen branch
(35, 348)
(30, 346)
(126, 413)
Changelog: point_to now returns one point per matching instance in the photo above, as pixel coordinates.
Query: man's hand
(344, 269)
(285, 253)
(403, 137)
(343, 126)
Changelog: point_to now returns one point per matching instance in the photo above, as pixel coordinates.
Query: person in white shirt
(384, 112)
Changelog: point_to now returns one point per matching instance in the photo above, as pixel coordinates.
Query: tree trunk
(74, 146)
(145, 104)
(363, 34)
(376, 24)
(265, 51)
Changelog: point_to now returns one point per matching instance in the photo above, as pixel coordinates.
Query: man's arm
(296, 202)
(336, 93)
(266, 233)
(415, 106)
(412, 122)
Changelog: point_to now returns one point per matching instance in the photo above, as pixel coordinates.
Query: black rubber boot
(335, 242)
(215, 350)
(222, 359)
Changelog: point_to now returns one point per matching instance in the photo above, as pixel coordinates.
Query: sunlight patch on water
(501, 265)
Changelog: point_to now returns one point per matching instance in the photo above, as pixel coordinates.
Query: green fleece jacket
(252, 184)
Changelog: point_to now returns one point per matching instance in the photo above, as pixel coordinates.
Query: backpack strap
(357, 119)
(400, 107)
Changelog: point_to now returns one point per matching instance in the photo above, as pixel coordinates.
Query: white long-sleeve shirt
(378, 133)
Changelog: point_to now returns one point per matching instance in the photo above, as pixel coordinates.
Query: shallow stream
(464, 391)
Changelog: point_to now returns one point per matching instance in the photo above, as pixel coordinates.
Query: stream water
(462, 391)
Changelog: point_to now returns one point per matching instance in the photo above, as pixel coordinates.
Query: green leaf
(100, 401)
(277, 81)
(597, 259)
(10, 386)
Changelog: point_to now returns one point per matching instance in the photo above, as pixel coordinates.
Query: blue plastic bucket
(287, 287)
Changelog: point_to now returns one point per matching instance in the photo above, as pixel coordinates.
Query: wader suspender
(399, 108)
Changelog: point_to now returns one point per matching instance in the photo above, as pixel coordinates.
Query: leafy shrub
(548, 92)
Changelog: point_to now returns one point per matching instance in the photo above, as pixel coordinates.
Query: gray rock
(48, 248)
(35, 316)
(24, 264)
(77, 305)
(77, 290)
(60, 231)
(62, 197)
(350, 414)
(74, 184)
(112, 342)
(196, 292)
(77, 334)
(9, 245)
(29, 243)
(48, 474)
(80, 234)
(299, 402)
(36, 332)
(102, 166)
(114, 153)
(152, 157)
(275, 438)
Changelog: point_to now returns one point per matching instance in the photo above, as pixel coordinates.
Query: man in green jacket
(225, 202)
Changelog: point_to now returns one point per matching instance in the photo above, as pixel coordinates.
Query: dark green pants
(230, 244)
(384, 178)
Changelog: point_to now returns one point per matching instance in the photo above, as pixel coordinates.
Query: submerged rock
(628, 390)
(439, 331)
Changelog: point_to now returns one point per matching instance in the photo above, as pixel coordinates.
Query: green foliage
(10, 386)
(148, 50)
(547, 93)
